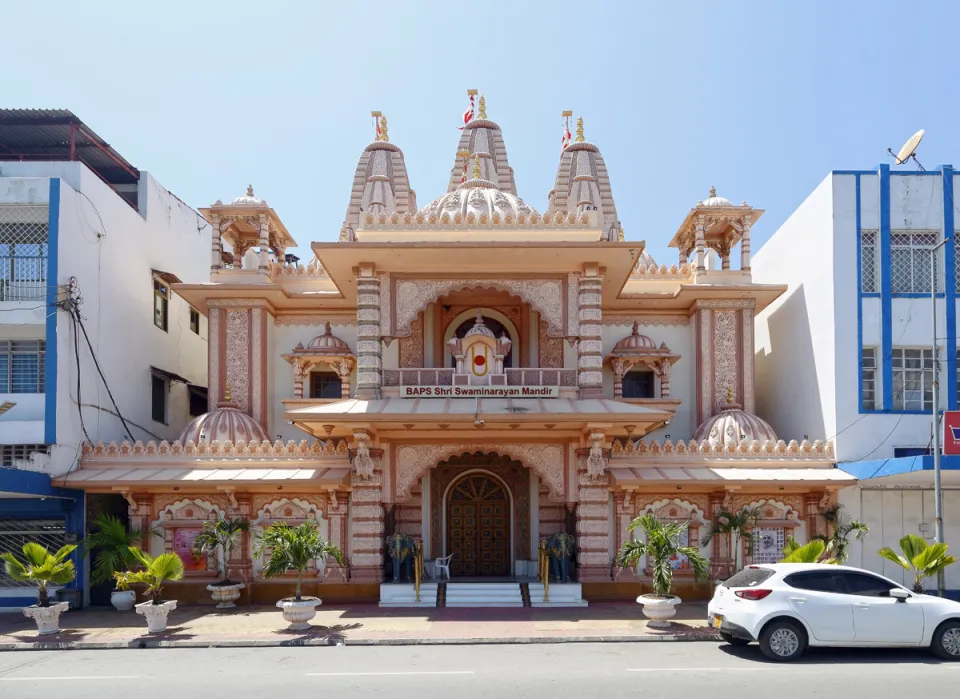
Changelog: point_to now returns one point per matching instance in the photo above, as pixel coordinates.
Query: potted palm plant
(43, 568)
(293, 548)
(111, 543)
(925, 560)
(153, 573)
(218, 538)
(736, 525)
(663, 544)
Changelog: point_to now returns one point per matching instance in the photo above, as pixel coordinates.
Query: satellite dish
(909, 150)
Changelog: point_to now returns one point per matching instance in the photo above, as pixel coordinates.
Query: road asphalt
(650, 670)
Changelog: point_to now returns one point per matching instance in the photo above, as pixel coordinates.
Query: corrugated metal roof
(33, 135)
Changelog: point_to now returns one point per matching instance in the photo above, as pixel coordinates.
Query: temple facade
(478, 375)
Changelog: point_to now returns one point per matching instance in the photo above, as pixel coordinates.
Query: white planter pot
(299, 613)
(123, 600)
(156, 614)
(658, 609)
(47, 618)
(226, 595)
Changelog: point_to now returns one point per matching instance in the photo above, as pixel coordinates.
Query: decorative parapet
(218, 450)
(769, 449)
(541, 377)
(281, 271)
(662, 273)
(534, 220)
(510, 377)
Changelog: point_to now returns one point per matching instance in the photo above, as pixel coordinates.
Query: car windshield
(749, 577)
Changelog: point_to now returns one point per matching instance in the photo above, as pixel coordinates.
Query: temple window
(912, 379)
(325, 384)
(868, 370)
(161, 303)
(638, 383)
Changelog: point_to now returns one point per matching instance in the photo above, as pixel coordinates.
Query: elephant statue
(401, 548)
(561, 549)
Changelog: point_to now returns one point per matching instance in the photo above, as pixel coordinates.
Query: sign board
(479, 391)
(951, 432)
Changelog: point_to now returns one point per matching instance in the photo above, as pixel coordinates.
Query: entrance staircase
(481, 594)
(504, 594)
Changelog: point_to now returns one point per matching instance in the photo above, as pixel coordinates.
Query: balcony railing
(418, 377)
(514, 377)
(23, 253)
(541, 377)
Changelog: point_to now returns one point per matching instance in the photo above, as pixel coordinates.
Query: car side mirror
(899, 594)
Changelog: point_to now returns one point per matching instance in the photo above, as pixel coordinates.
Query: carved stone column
(240, 562)
(720, 564)
(366, 547)
(623, 502)
(140, 511)
(724, 251)
(700, 243)
(299, 370)
(337, 512)
(343, 370)
(368, 334)
(264, 242)
(237, 354)
(662, 369)
(811, 515)
(745, 244)
(724, 358)
(590, 347)
(593, 519)
(216, 245)
(620, 369)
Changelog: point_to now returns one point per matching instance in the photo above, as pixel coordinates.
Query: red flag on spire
(565, 140)
(468, 114)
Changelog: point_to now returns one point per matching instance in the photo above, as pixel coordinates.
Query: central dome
(480, 199)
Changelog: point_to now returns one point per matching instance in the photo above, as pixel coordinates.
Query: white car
(789, 606)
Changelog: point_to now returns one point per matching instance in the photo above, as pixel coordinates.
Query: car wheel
(946, 640)
(733, 640)
(783, 641)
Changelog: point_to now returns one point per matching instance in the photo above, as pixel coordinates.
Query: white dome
(480, 199)
(249, 199)
(645, 261)
(732, 425)
(714, 200)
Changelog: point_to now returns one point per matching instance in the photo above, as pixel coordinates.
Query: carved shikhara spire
(481, 136)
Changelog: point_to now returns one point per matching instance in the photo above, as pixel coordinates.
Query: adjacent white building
(847, 351)
(81, 227)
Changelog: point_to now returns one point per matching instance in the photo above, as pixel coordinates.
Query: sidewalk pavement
(368, 624)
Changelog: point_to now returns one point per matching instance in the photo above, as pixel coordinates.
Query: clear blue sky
(759, 98)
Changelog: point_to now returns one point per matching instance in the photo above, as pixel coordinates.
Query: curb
(335, 641)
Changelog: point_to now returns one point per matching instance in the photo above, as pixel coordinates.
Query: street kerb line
(384, 674)
(55, 679)
(696, 669)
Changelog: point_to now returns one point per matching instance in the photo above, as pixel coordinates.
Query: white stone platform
(561, 595)
(404, 595)
(470, 594)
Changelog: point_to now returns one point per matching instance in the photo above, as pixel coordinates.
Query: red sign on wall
(951, 432)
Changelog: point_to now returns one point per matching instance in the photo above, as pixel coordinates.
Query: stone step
(561, 595)
(404, 595)
(484, 595)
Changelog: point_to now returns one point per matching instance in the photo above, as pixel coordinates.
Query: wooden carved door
(478, 527)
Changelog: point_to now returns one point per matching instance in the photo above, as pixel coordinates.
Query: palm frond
(891, 555)
(912, 545)
(808, 553)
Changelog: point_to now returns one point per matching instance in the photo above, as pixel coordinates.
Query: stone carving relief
(411, 347)
(386, 305)
(545, 295)
(573, 304)
(311, 320)
(725, 356)
(213, 352)
(551, 349)
(545, 460)
(648, 320)
(596, 461)
(238, 357)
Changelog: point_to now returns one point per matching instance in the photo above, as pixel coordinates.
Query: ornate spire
(713, 191)
(579, 138)
(249, 190)
(383, 128)
(476, 166)
(227, 397)
(483, 108)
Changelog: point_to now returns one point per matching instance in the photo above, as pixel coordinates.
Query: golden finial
(383, 129)
(476, 166)
(249, 190)
(713, 191)
(730, 396)
(579, 137)
(226, 394)
(463, 153)
(621, 237)
(483, 108)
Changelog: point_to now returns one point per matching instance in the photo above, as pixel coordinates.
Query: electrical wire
(103, 378)
(76, 354)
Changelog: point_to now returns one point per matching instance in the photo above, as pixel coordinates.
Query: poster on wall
(678, 561)
(768, 544)
(183, 547)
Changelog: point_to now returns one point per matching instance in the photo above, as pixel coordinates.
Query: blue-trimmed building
(80, 227)
(847, 352)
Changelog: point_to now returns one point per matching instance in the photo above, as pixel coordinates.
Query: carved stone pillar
(237, 354)
(264, 242)
(624, 507)
(593, 526)
(745, 244)
(368, 334)
(662, 369)
(620, 369)
(720, 564)
(590, 347)
(811, 514)
(700, 243)
(724, 251)
(240, 562)
(337, 512)
(343, 370)
(366, 547)
(216, 245)
(140, 511)
(299, 370)
(724, 357)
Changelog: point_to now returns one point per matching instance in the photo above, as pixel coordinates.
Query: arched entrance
(478, 525)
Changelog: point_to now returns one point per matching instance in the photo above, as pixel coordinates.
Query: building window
(198, 400)
(22, 366)
(161, 303)
(195, 321)
(23, 252)
(325, 384)
(868, 370)
(912, 379)
(910, 262)
(638, 384)
(10, 454)
(869, 269)
(900, 452)
(158, 389)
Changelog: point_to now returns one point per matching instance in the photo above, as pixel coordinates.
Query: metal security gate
(23, 252)
(14, 533)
